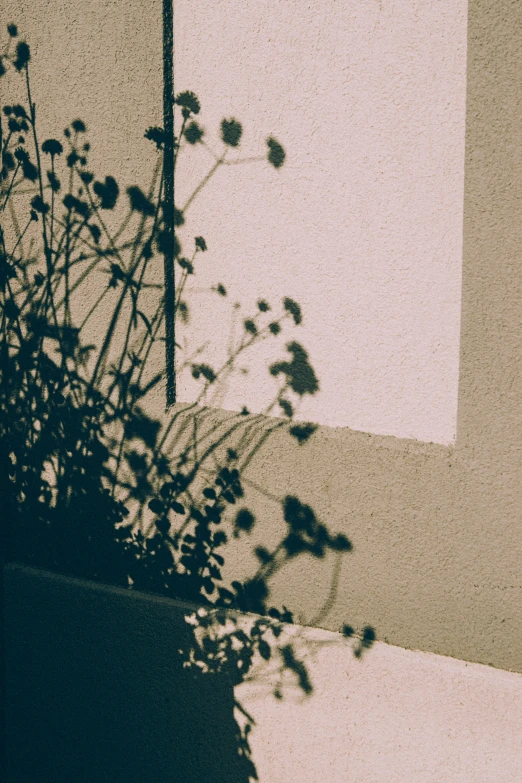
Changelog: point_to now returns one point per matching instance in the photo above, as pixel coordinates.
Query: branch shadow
(100, 489)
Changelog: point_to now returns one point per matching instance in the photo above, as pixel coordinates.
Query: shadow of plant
(99, 488)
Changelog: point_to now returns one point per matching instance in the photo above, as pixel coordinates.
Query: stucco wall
(94, 693)
(363, 225)
(436, 527)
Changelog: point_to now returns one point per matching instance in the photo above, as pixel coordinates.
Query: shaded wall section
(99, 61)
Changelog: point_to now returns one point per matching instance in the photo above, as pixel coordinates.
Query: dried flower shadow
(99, 488)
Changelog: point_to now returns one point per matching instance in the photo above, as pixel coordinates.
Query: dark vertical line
(168, 203)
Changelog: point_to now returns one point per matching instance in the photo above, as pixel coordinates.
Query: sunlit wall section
(363, 223)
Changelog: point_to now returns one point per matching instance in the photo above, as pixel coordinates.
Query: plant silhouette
(99, 488)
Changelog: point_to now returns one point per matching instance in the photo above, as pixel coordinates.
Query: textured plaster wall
(363, 225)
(100, 61)
(436, 528)
(396, 715)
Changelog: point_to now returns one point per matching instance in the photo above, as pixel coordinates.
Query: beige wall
(100, 61)
(396, 715)
(363, 225)
(436, 528)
